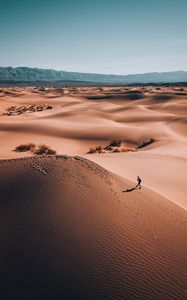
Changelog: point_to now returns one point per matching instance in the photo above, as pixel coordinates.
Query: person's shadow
(132, 189)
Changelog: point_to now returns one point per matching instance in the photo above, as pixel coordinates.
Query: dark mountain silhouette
(33, 75)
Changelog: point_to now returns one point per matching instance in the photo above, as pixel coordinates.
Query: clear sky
(103, 36)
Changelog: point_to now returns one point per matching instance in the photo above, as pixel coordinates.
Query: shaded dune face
(130, 95)
(68, 232)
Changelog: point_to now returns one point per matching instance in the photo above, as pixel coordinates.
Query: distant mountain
(28, 75)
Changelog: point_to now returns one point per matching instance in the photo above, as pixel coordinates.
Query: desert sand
(67, 230)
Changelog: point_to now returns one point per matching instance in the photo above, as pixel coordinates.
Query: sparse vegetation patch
(44, 150)
(18, 110)
(25, 147)
(37, 150)
(117, 146)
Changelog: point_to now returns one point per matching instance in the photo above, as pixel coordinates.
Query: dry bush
(99, 148)
(25, 147)
(95, 150)
(49, 106)
(44, 150)
(115, 143)
(146, 143)
(91, 151)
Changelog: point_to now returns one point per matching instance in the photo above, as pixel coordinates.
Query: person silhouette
(134, 188)
(139, 182)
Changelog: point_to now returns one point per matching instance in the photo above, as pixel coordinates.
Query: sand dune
(68, 232)
(163, 173)
(87, 117)
(74, 111)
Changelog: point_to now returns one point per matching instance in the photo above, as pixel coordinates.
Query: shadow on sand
(137, 187)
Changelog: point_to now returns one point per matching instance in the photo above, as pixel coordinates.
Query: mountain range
(33, 75)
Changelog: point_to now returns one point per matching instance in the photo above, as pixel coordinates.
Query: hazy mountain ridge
(26, 74)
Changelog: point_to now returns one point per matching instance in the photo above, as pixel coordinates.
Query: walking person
(136, 187)
(139, 182)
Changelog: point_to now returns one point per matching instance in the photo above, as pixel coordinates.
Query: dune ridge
(67, 230)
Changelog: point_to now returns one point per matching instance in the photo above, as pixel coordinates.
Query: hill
(68, 232)
(33, 75)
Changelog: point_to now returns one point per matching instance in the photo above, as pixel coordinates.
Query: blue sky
(106, 36)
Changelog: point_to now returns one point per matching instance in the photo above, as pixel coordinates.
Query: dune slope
(68, 232)
(162, 173)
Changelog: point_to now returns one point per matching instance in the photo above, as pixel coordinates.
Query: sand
(67, 230)
(86, 117)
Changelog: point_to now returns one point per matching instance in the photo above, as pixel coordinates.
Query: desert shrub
(49, 107)
(115, 143)
(51, 152)
(25, 147)
(91, 151)
(99, 148)
(44, 150)
(146, 143)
